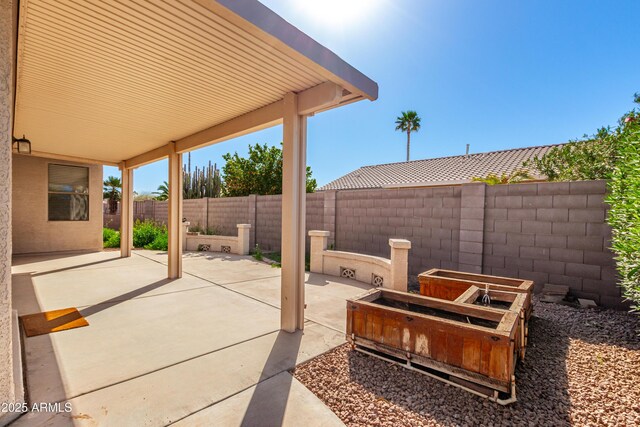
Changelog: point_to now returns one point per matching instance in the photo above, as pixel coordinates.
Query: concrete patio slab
(218, 267)
(158, 351)
(170, 394)
(140, 336)
(95, 280)
(278, 401)
(324, 296)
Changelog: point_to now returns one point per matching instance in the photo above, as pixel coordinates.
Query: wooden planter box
(503, 300)
(464, 344)
(449, 285)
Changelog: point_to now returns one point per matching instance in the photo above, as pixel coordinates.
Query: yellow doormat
(52, 321)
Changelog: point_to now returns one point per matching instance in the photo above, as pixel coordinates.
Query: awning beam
(317, 98)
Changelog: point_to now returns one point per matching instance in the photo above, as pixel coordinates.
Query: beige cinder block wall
(8, 19)
(32, 231)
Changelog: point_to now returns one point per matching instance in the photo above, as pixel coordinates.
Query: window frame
(87, 194)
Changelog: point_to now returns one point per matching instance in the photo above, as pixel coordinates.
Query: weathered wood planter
(502, 300)
(449, 285)
(461, 343)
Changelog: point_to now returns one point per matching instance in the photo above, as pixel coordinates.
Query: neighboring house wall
(32, 231)
(547, 232)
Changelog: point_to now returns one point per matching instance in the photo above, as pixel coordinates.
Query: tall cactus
(202, 182)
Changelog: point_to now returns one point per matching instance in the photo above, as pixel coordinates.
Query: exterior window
(68, 193)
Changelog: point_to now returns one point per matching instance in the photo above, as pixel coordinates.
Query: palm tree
(111, 191)
(408, 122)
(163, 191)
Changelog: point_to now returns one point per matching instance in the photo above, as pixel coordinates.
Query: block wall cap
(319, 233)
(400, 244)
(244, 225)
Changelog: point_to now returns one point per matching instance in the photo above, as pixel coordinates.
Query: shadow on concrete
(268, 405)
(21, 259)
(111, 302)
(221, 256)
(74, 267)
(317, 279)
(46, 356)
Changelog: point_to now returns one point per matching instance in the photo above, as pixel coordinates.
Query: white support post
(318, 242)
(126, 213)
(294, 167)
(185, 230)
(244, 237)
(175, 215)
(399, 264)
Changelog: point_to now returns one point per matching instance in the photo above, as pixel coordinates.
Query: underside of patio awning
(113, 81)
(129, 82)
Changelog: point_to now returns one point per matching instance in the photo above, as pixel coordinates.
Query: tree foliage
(408, 122)
(519, 175)
(112, 186)
(624, 198)
(202, 182)
(593, 157)
(612, 154)
(259, 173)
(163, 191)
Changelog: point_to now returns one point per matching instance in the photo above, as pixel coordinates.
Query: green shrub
(145, 232)
(212, 231)
(107, 233)
(111, 238)
(257, 253)
(160, 243)
(195, 228)
(624, 215)
(594, 157)
(209, 231)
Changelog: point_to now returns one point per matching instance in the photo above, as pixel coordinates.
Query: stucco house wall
(32, 231)
(9, 346)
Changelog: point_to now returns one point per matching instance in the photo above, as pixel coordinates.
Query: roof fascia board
(261, 22)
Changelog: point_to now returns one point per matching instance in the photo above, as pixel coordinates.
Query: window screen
(68, 193)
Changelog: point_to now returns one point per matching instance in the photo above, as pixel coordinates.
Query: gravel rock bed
(582, 368)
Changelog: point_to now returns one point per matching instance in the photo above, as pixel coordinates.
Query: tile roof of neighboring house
(439, 171)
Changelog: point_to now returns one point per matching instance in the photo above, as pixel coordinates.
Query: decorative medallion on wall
(377, 280)
(349, 273)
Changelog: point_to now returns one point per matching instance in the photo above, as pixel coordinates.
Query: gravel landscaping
(582, 368)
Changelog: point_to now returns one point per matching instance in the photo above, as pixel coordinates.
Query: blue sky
(494, 74)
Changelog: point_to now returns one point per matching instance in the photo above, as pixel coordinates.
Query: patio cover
(111, 80)
(129, 83)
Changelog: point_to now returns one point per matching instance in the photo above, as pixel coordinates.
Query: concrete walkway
(202, 350)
